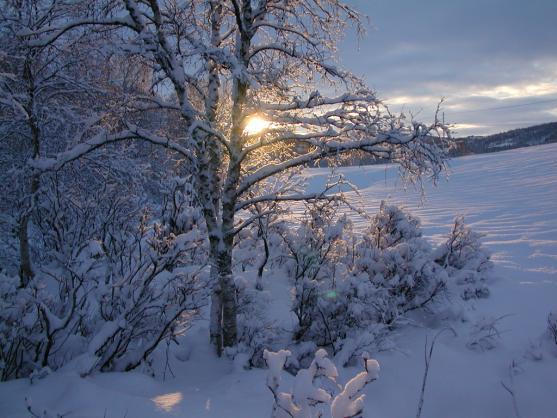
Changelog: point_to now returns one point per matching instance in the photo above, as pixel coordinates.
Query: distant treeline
(517, 138)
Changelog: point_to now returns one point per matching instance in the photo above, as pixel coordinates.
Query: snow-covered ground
(510, 196)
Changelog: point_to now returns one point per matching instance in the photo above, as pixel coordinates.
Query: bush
(347, 287)
(552, 326)
(393, 268)
(256, 331)
(108, 292)
(467, 262)
(485, 334)
(391, 226)
(316, 392)
(315, 251)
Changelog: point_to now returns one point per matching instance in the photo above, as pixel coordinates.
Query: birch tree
(256, 88)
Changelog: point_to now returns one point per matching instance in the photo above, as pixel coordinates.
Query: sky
(494, 61)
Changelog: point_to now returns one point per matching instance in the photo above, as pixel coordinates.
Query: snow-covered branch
(305, 399)
(49, 35)
(100, 140)
(276, 197)
(315, 99)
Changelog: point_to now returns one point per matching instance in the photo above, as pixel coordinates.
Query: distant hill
(517, 138)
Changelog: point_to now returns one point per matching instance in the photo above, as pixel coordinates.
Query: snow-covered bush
(13, 309)
(318, 244)
(393, 267)
(348, 289)
(545, 344)
(44, 413)
(552, 326)
(316, 392)
(342, 321)
(350, 401)
(153, 298)
(179, 213)
(485, 334)
(466, 260)
(313, 261)
(307, 395)
(246, 249)
(256, 330)
(391, 226)
(108, 291)
(259, 245)
(359, 340)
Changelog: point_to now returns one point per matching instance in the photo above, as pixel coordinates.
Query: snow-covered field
(510, 196)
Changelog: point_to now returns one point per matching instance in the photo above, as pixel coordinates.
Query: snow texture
(509, 196)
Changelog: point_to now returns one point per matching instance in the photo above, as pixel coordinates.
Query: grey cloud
(426, 49)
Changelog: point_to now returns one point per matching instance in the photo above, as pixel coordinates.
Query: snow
(325, 366)
(510, 196)
(304, 389)
(350, 401)
(275, 363)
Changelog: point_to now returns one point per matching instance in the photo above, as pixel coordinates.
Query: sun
(255, 125)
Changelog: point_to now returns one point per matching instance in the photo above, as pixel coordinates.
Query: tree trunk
(223, 328)
(211, 183)
(228, 297)
(215, 320)
(26, 272)
(259, 283)
(25, 269)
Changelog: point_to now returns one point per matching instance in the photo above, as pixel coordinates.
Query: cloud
(519, 90)
(476, 53)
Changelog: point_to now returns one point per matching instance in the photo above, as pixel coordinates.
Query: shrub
(394, 266)
(467, 262)
(256, 331)
(349, 290)
(314, 253)
(346, 286)
(311, 396)
(552, 326)
(108, 292)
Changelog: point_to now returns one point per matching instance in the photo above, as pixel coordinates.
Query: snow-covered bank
(511, 196)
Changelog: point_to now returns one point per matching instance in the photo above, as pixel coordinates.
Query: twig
(427, 357)
(511, 392)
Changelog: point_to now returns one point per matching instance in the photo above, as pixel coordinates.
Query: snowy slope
(511, 196)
